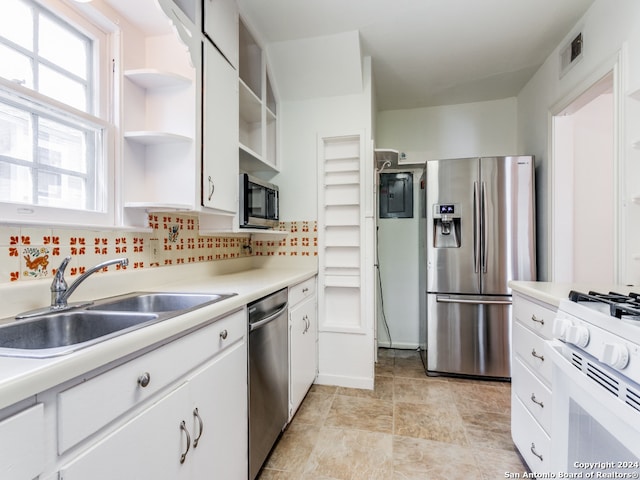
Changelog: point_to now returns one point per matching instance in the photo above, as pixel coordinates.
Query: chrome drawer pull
(144, 379)
(537, 320)
(533, 352)
(533, 450)
(183, 427)
(200, 426)
(537, 402)
(223, 334)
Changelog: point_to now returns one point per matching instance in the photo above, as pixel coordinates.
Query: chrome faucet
(60, 291)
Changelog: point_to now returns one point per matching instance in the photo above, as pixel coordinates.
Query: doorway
(584, 187)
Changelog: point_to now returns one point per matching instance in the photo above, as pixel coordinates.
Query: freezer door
(469, 335)
(453, 182)
(508, 222)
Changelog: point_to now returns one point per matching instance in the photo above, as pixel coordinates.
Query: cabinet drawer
(533, 315)
(531, 350)
(87, 407)
(535, 396)
(532, 442)
(22, 444)
(302, 290)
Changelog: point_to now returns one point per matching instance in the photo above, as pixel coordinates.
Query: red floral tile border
(33, 252)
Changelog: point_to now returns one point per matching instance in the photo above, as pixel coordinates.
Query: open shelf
(159, 207)
(148, 137)
(151, 78)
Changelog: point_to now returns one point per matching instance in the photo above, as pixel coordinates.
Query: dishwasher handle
(270, 318)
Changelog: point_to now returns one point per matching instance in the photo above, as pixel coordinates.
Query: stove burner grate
(620, 305)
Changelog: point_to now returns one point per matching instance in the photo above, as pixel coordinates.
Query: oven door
(594, 429)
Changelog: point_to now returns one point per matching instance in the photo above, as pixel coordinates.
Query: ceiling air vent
(571, 54)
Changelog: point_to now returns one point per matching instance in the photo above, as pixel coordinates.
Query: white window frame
(104, 111)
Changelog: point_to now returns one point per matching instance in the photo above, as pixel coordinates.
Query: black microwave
(258, 203)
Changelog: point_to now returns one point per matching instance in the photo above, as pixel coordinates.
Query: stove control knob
(615, 355)
(560, 327)
(578, 335)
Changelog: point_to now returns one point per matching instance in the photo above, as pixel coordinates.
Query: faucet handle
(59, 283)
(64, 264)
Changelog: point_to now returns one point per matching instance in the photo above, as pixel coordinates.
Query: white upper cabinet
(219, 132)
(220, 25)
(258, 108)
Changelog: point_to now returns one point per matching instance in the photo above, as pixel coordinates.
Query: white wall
(451, 131)
(345, 359)
(608, 28)
(473, 129)
(593, 177)
(399, 268)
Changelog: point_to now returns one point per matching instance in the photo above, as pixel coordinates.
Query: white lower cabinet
(196, 431)
(176, 412)
(22, 444)
(531, 381)
(147, 447)
(303, 337)
(219, 393)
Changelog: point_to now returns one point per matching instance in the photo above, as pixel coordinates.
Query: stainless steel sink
(158, 302)
(64, 332)
(56, 333)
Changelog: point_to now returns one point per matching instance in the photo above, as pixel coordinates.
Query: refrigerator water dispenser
(446, 226)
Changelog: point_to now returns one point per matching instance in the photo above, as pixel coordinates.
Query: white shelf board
(159, 207)
(251, 162)
(250, 105)
(148, 137)
(150, 78)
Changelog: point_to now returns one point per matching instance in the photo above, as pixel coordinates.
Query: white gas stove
(596, 384)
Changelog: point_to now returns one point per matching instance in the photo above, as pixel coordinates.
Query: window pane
(15, 183)
(61, 146)
(15, 133)
(61, 47)
(15, 67)
(62, 88)
(59, 190)
(16, 23)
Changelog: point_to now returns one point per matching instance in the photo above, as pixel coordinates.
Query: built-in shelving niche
(340, 233)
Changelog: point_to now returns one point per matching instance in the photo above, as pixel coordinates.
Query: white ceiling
(430, 52)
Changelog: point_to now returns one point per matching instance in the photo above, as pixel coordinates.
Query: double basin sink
(61, 332)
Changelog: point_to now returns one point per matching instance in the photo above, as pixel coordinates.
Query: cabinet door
(219, 132)
(221, 26)
(219, 392)
(148, 447)
(302, 343)
(22, 444)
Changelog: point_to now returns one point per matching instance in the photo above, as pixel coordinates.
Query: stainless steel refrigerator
(478, 226)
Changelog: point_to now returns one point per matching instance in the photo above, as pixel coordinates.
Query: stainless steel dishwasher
(268, 375)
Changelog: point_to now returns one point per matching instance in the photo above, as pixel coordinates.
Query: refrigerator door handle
(485, 242)
(446, 299)
(476, 227)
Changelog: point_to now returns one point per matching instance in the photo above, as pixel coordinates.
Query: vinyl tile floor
(409, 427)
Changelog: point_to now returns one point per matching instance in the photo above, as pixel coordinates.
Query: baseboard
(342, 381)
(399, 346)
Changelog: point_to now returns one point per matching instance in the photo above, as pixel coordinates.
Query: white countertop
(21, 378)
(551, 293)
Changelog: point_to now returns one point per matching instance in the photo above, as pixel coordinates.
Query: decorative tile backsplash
(35, 252)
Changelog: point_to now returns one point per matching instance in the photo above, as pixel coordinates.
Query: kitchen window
(54, 106)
